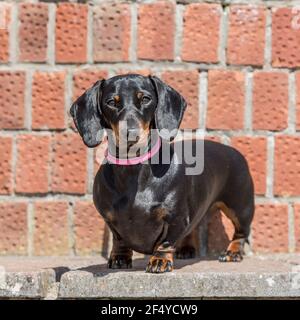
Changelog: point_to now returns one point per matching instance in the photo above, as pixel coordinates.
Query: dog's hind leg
(120, 256)
(241, 217)
(188, 247)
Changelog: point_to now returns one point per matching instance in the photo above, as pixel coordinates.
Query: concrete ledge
(88, 277)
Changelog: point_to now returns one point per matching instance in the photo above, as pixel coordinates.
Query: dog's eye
(145, 100)
(111, 102)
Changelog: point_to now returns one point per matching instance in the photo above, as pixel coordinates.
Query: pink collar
(135, 160)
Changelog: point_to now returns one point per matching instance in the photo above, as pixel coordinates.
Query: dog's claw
(119, 262)
(159, 265)
(230, 256)
(169, 266)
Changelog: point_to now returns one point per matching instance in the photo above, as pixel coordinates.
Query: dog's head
(129, 105)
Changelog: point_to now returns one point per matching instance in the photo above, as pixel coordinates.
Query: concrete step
(87, 277)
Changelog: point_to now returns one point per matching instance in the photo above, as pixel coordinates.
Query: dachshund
(154, 207)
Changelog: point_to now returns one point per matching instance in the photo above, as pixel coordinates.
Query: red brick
(32, 164)
(111, 32)
(201, 32)
(12, 97)
(48, 100)
(5, 165)
(89, 227)
(13, 228)
(51, 228)
(33, 20)
(226, 100)
(71, 33)
(246, 35)
(270, 100)
(285, 37)
(5, 19)
(143, 72)
(255, 151)
(220, 233)
(84, 79)
(270, 228)
(156, 30)
(287, 170)
(69, 166)
(297, 226)
(298, 100)
(186, 83)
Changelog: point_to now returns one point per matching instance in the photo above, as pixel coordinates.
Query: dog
(155, 208)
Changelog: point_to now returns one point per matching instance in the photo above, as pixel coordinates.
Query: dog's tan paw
(234, 252)
(159, 265)
(230, 256)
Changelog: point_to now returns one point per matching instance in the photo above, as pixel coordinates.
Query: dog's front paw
(230, 256)
(159, 265)
(119, 262)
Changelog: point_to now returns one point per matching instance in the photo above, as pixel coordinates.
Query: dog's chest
(139, 220)
(143, 205)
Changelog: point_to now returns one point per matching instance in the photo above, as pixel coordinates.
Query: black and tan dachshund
(154, 208)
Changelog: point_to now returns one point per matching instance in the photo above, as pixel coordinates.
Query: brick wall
(238, 66)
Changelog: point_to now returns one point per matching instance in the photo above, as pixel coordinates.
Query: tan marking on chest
(159, 213)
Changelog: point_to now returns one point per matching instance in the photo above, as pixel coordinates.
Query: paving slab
(266, 276)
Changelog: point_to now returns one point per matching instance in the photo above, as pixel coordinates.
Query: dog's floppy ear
(170, 107)
(86, 115)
